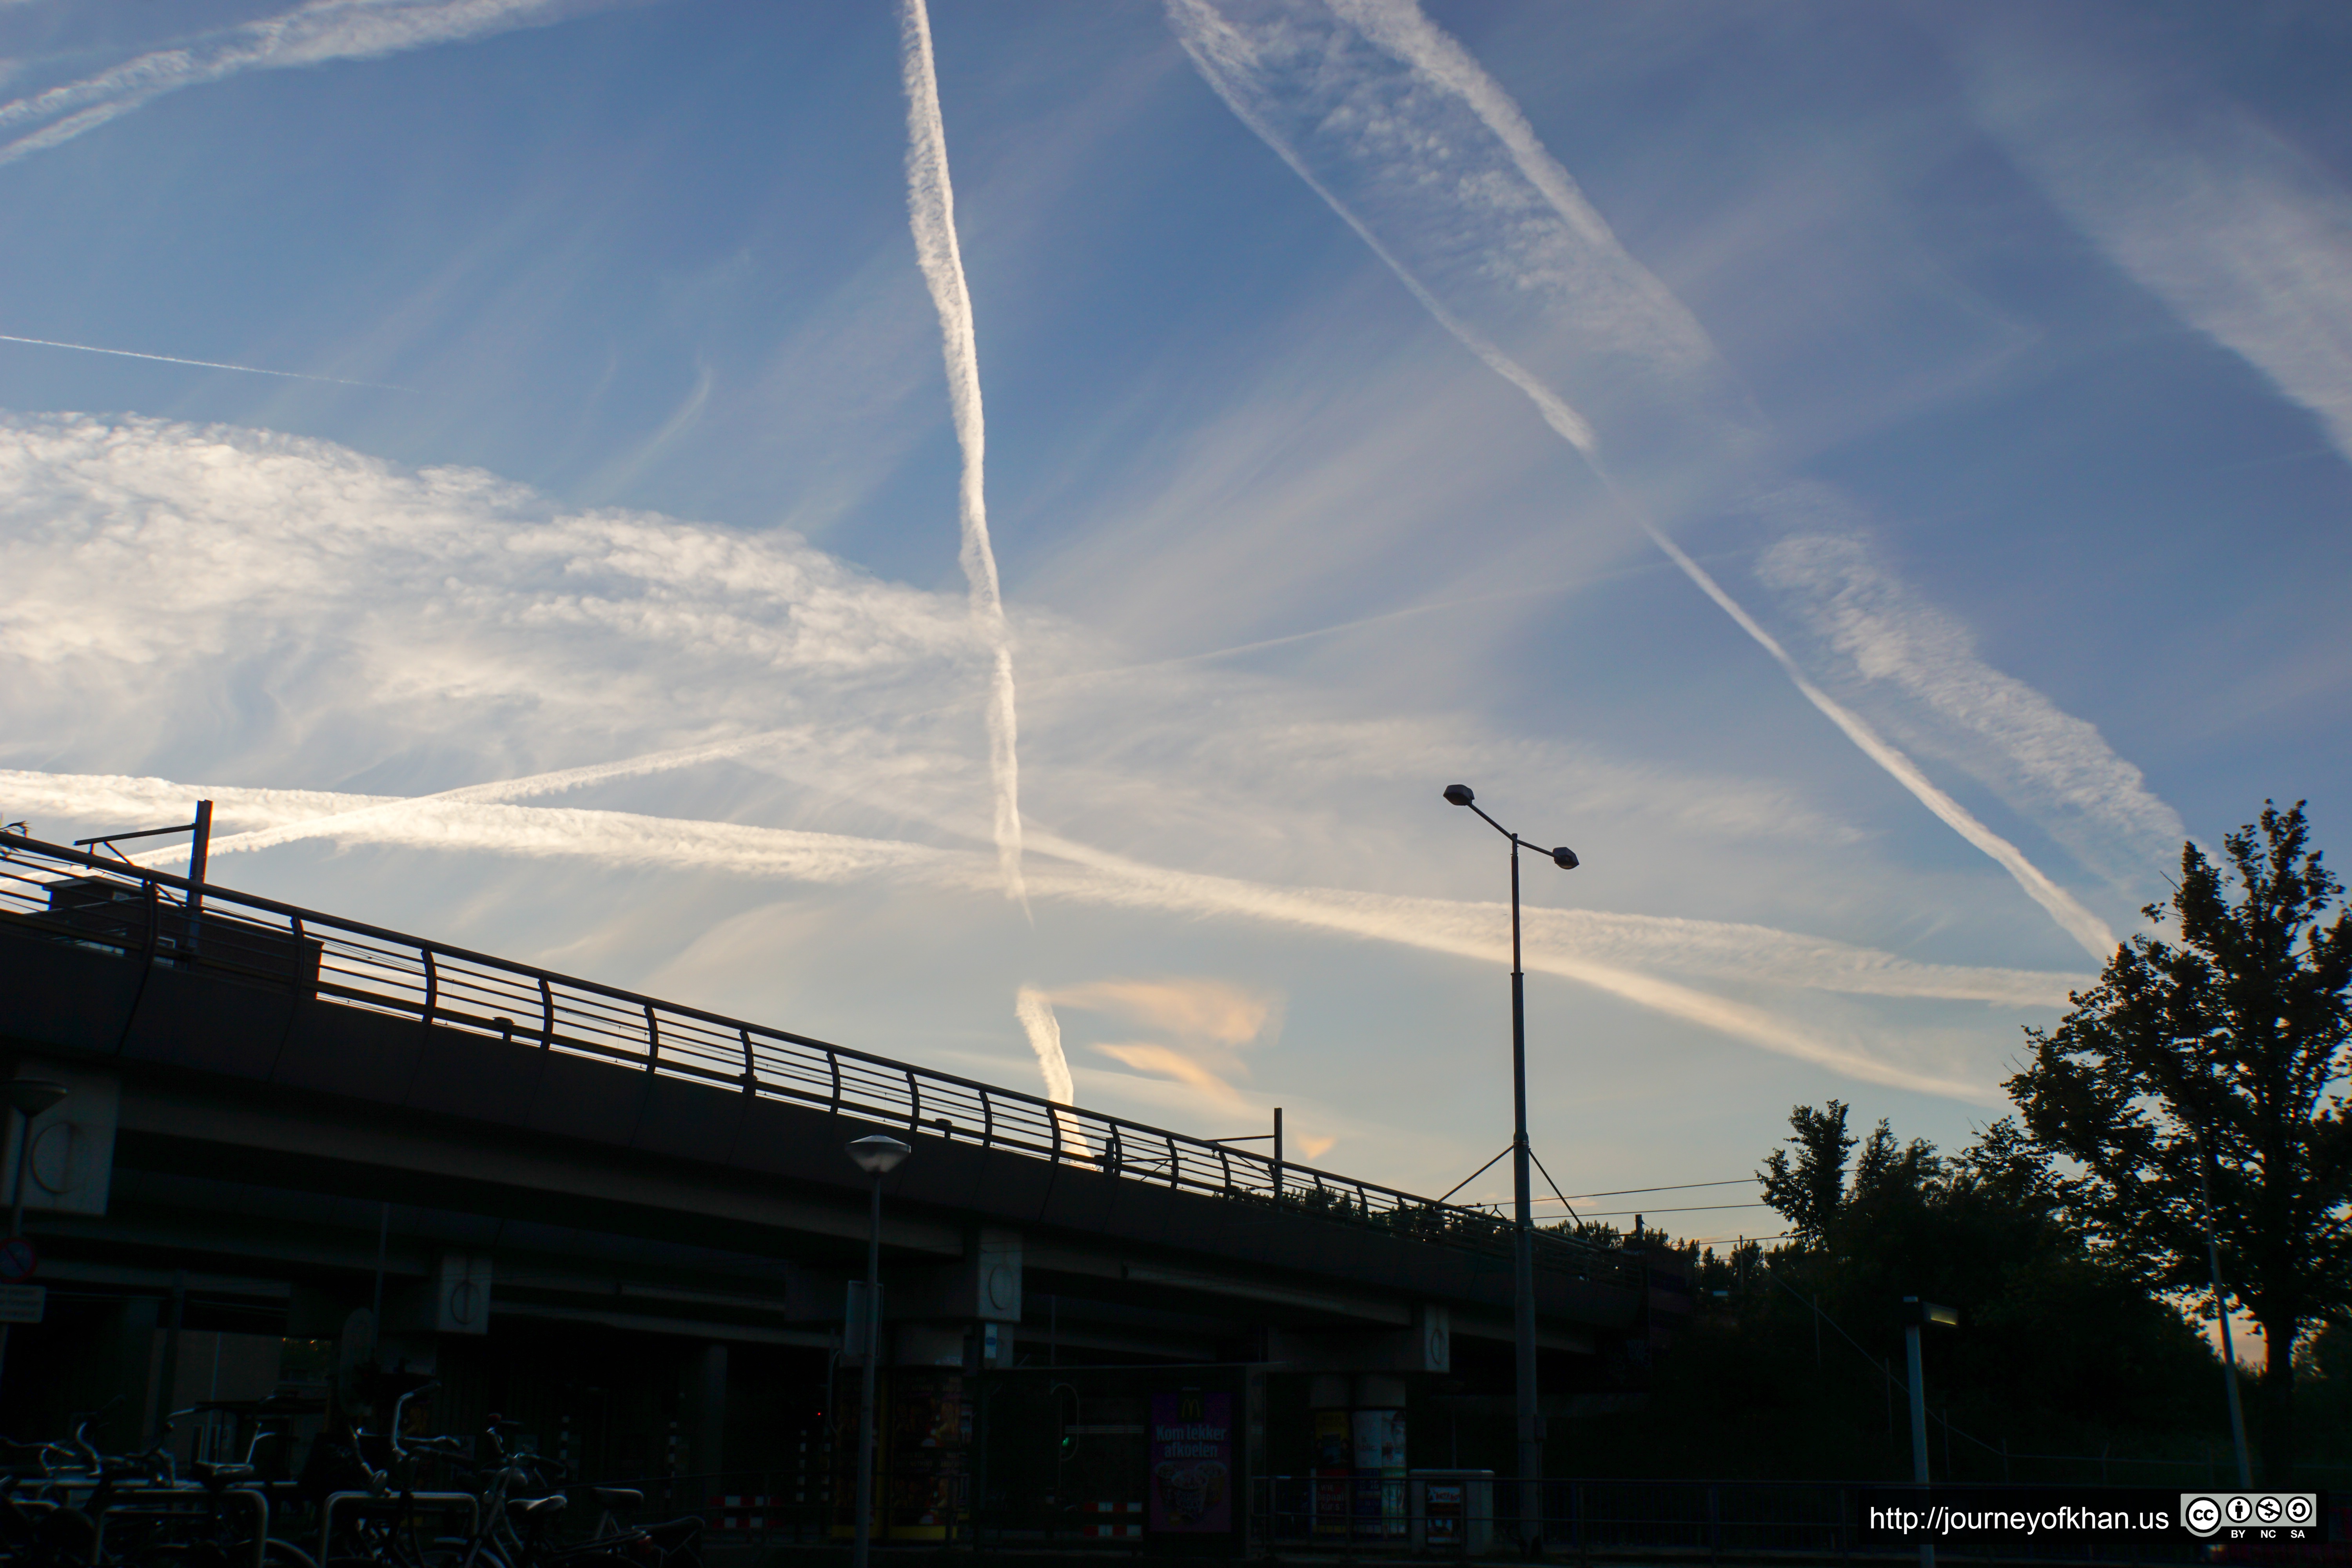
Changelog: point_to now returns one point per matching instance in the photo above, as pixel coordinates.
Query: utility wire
(1692, 1208)
(1676, 1187)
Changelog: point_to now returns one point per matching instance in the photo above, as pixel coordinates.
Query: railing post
(832, 1060)
(914, 1102)
(652, 1039)
(1175, 1163)
(432, 987)
(546, 1014)
(987, 1120)
(751, 1073)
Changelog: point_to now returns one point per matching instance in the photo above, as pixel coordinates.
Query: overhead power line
(1692, 1208)
(1676, 1187)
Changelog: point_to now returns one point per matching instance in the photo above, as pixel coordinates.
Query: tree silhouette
(2223, 1055)
(1810, 1190)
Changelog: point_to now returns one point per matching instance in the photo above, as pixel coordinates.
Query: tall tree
(2221, 1056)
(1809, 1189)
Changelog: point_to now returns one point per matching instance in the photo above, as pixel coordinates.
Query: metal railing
(148, 916)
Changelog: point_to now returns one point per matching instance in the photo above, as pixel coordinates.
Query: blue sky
(1872, 478)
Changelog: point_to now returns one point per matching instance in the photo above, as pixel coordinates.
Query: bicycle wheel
(278, 1552)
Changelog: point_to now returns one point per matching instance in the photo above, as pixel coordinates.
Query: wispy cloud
(1212, 1012)
(1166, 1061)
(2244, 236)
(2090, 799)
(307, 34)
(311, 614)
(1413, 143)
(328, 579)
(930, 207)
(1204, 1025)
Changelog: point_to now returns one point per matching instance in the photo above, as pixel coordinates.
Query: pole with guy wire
(1523, 1252)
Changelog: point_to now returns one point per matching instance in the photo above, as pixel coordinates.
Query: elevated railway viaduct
(631, 1224)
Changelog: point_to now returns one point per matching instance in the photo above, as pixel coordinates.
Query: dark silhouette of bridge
(282, 1117)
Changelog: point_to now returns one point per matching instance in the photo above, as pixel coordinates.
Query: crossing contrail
(205, 363)
(1499, 183)
(2088, 929)
(931, 210)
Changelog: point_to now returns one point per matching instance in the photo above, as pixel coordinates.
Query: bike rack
(404, 1502)
(185, 1494)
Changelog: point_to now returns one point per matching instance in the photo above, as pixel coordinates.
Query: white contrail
(930, 211)
(1746, 955)
(1592, 949)
(2078, 922)
(1035, 1011)
(206, 364)
(1637, 306)
(501, 790)
(306, 34)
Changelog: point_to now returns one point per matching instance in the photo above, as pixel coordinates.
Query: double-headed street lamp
(1523, 1251)
(876, 1156)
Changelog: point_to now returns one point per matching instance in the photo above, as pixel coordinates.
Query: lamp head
(1565, 858)
(877, 1154)
(1459, 795)
(1929, 1314)
(31, 1096)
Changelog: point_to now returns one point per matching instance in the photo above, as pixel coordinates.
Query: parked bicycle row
(365, 1500)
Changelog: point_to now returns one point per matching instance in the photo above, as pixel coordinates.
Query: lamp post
(1916, 1314)
(1523, 1251)
(28, 1096)
(2221, 1315)
(878, 1156)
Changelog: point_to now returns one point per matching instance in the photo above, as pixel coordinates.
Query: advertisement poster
(1380, 1473)
(1334, 1472)
(1192, 1461)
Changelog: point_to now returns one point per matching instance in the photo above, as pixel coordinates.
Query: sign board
(461, 1294)
(18, 1258)
(23, 1303)
(69, 1163)
(1192, 1461)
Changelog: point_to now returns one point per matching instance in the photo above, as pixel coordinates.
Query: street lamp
(1917, 1313)
(1523, 1252)
(28, 1096)
(876, 1156)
